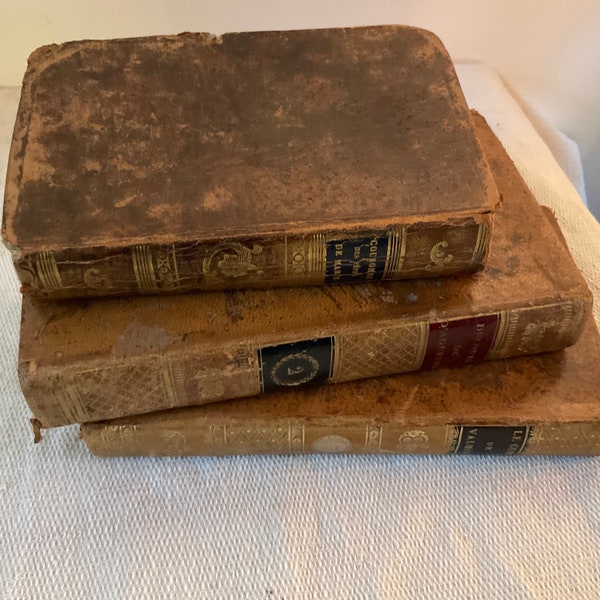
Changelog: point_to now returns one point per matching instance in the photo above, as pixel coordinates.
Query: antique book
(545, 404)
(200, 162)
(86, 360)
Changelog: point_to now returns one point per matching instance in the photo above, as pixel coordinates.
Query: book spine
(394, 252)
(109, 388)
(205, 437)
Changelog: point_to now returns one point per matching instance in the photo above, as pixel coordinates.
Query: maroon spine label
(460, 342)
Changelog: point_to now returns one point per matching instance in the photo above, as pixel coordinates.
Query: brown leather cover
(547, 404)
(89, 360)
(167, 164)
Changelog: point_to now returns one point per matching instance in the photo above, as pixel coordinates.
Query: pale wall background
(548, 51)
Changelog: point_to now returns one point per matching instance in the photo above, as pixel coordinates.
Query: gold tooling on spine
(316, 255)
(481, 244)
(396, 250)
(47, 271)
(143, 268)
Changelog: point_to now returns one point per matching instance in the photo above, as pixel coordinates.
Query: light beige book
(546, 404)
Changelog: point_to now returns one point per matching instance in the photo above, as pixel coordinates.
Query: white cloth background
(72, 526)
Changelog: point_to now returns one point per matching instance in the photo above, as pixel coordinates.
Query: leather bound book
(547, 404)
(86, 360)
(200, 162)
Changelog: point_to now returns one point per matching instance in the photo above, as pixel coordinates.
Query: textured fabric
(72, 526)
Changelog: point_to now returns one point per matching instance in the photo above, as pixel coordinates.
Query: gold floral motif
(95, 279)
(231, 261)
(166, 267)
(413, 440)
(439, 257)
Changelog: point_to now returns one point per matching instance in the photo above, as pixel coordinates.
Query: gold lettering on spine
(396, 250)
(47, 271)
(143, 268)
(481, 244)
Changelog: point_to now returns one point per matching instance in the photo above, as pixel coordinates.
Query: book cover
(200, 162)
(545, 404)
(84, 360)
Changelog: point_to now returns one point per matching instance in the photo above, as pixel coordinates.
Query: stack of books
(286, 242)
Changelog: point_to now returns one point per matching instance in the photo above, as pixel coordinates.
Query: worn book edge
(262, 260)
(531, 405)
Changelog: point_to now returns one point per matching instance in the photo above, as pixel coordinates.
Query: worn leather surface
(418, 527)
(192, 137)
(89, 360)
(557, 394)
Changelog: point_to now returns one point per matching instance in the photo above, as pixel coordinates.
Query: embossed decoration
(297, 363)
(305, 258)
(95, 279)
(155, 268)
(413, 440)
(45, 271)
(239, 438)
(333, 444)
(295, 369)
(143, 268)
(373, 437)
(439, 257)
(173, 442)
(166, 268)
(391, 350)
(481, 244)
(231, 261)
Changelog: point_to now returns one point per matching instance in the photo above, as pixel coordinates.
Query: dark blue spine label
(358, 259)
(295, 364)
(490, 439)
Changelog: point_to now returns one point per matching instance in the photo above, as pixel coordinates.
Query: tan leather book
(200, 162)
(547, 404)
(83, 360)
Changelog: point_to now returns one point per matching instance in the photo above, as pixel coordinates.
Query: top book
(196, 162)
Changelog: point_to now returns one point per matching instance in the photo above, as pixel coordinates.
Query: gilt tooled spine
(245, 368)
(214, 437)
(394, 252)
